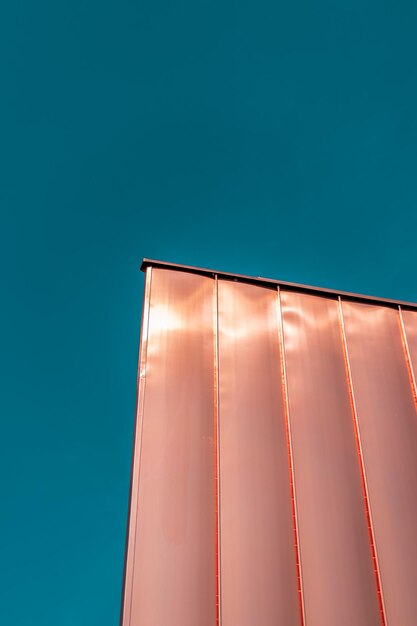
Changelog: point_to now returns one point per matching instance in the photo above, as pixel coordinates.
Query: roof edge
(259, 280)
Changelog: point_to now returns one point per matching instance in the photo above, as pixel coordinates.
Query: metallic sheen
(274, 473)
(174, 578)
(259, 584)
(336, 564)
(388, 428)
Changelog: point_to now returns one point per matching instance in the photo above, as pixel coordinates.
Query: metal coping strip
(259, 280)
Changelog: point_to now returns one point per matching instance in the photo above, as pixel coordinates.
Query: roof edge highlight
(261, 281)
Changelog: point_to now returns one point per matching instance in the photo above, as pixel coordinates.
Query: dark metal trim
(270, 282)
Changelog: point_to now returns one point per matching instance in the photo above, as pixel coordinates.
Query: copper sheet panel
(258, 567)
(264, 282)
(339, 584)
(388, 428)
(274, 478)
(409, 319)
(174, 578)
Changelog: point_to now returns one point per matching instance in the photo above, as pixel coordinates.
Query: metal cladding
(274, 478)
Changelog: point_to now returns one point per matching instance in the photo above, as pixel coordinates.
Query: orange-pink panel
(174, 577)
(258, 566)
(339, 585)
(388, 428)
(410, 326)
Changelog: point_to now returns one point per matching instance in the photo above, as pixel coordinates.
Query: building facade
(274, 478)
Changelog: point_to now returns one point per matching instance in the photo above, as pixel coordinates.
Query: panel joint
(359, 451)
(216, 431)
(290, 460)
(407, 357)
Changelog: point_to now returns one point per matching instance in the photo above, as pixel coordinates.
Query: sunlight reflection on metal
(164, 319)
(258, 502)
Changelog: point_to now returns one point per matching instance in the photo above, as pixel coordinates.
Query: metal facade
(274, 478)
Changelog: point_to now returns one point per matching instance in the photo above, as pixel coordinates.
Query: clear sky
(268, 138)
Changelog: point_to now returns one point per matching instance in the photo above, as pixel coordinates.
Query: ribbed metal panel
(274, 477)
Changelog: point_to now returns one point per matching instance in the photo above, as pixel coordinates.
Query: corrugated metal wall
(274, 480)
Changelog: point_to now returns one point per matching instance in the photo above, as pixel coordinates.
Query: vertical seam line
(217, 451)
(359, 451)
(290, 460)
(407, 357)
(141, 385)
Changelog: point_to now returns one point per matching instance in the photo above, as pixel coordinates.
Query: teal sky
(267, 138)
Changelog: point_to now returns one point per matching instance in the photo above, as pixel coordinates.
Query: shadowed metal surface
(336, 565)
(409, 322)
(274, 473)
(388, 428)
